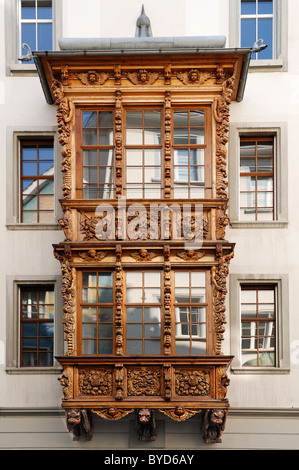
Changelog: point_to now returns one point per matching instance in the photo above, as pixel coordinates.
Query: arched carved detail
(219, 274)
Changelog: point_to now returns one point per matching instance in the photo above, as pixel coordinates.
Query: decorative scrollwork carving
(144, 381)
(95, 382)
(192, 382)
(112, 412)
(219, 274)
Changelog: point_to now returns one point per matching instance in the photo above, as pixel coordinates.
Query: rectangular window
(258, 323)
(143, 154)
(257, 183)
(258, 22)
(36, 25)
(190, 312)
(97, 313)
(97, 149)
(37, 325)
(143, 312)
(189, 152)
(37, 181)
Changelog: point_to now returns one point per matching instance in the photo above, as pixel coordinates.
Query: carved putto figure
(93, 78)
(142, 77)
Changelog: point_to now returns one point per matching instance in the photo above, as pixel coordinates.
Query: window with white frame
(258, 325)
(258, 21)
(35, 25)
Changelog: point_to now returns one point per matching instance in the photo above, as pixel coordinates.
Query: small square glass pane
(182, 279)
(134, 175)
(89, 119)
(248, 7)
(180, 119)
(44, 36)
(89, 346)
(134, 157)
(105, 296)
(134, 346)
(152, 279)
(134, 314)
(105, 346)
(152, 347)
(248, 32)
(134, 330)
(89, 314)
(134, 295)
(44, 10)
(134, 119)
(89, 136)
(152, 314)
(134, 279)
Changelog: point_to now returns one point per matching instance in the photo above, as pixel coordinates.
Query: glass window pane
(265, 31)
(180, 136)
(105, 330)
(44, 10)
(106, 119)
(152, 347)
(134, 119)
(248, 32)
(248, 296)
(89, 136)
(152, 314)
(89, 314)
(29, 168)
(152, 295)
(134, 330)
(44, 36)
(134, 314)
(180, 118)
(197, 136)
(134, 175)
(29, 217)
(265, 148)
(134, 157)
(89, 330)
(152, 157)
(29, 153)
(90, 157)
(197, 118)
(89, 346)
(89, 295)
(182, 279)
(89, 119)
(134, 295)
(248, 310)
(248, 7)
(105, 346)
(197, 157)
(264, 164)
(182, 347)
(28, 10)
(105, 136)
(198, 279)
(152, 137)
(134, 347)
(265, 7)
(152, 279)
(152, 119)
(105, 296)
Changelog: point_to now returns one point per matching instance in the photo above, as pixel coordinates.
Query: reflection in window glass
(143, 312)
(258, 316)
(97, 313)
(143, 154)
(37, 326)
(37, 182)
(190, 312)
(257, 179)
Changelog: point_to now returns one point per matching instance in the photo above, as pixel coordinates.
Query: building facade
(180, 106)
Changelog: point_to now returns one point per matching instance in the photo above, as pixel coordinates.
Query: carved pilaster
(69, 301)
(221, 116)
(167, 145)
(65, 113)
(219, 274)
(119, 382)
(118, 139)
(167, 300)
(119, 339)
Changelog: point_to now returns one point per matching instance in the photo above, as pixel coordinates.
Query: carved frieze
(194, 77)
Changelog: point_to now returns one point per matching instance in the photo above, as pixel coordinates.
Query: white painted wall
(269, 97)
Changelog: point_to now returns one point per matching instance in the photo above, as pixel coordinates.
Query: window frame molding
(11, 15)
(281, 281)
(13, 285)
(279, 130)
(280, 63)
(14, 136)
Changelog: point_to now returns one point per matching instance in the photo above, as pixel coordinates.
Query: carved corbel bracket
(79, 422)
(213, 425)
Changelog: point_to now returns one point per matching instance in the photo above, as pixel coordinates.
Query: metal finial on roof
(143, 25)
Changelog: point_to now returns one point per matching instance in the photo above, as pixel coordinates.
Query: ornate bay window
(145, 259)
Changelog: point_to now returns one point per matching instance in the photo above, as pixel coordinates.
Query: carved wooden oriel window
(144, 307)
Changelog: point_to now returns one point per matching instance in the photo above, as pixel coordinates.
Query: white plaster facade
(264, 410)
